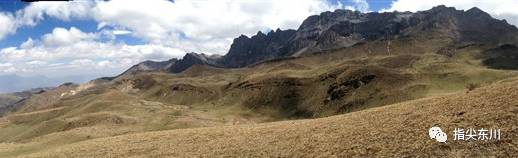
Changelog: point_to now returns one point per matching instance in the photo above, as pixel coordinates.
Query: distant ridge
(346, 28)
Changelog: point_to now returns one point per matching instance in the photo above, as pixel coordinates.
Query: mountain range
(346, 28)
(345, 83)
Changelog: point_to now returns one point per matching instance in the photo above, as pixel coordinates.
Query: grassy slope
(148, 101)
(7, 99)
(398, 130)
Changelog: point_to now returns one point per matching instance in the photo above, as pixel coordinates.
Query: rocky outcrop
(345, 28)
(191, 59)
(151, 66)
(245, 51)
(473, 25)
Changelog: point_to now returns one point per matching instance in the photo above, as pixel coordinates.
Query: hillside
(344, 84)
(11, 101)
(315, 86)
(394, 130)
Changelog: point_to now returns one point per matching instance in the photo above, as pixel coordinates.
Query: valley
(345, 84)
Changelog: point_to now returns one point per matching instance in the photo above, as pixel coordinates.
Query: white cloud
(27, 44)
(7, 68)
(36, 62)
(5, 64)
(7, 24)
(502, 9)
(105, 63)
(35, 12)
(71, 51)
(121, 32)
(360, 5)
(62, 37)
(10, 70)
(81, 62)
(203, 25)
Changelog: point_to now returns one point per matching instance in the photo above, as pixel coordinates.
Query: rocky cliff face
(473, 26)
(345, 28)
(245, 51)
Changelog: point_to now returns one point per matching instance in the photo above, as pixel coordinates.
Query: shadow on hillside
(503, 57)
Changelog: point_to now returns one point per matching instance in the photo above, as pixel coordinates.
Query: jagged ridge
(346, 28)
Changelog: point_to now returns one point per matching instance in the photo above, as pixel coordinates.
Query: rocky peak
(442, 9)
(345, 28)
(150, 66)
(477, 12)
(317, 24)
(259, 35)
(241, 37)
(330, 18)
(245, 51)
(473, 25)
(193, 59)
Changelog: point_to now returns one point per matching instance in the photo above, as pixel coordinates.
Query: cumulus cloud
(121, 32)
(36, 12)
(72, 51)
(7, 24)
(360, 5)
(63, 37)
(502, 9)
(7, 68)
(27, 44)
(203, 25)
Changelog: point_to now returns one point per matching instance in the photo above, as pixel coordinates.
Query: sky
(86, 39)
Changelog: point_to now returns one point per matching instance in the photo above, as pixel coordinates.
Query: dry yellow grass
(95, 120)
(398, 130)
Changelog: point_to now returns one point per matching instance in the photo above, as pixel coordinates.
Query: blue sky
(374, 5)
(23, 33)
(88, 39)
